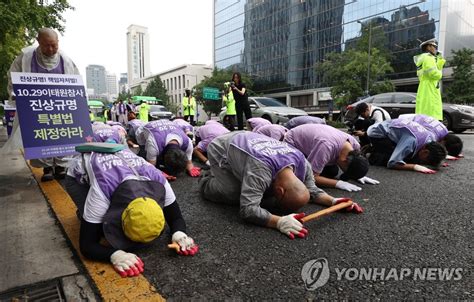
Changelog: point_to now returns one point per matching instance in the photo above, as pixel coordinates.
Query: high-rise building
(138, 53)
(279, 43)
(112, 84)
(96, 79)
(123, 82)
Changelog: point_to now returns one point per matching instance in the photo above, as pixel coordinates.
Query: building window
(175, 84)
(179, 82)
(184, 82)
(171, 83)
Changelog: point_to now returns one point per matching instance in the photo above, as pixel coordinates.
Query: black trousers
(382, 150)
(191, 119)
(363, 125)
(242, 107)
(229, 122)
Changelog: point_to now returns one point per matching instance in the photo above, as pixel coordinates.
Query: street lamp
(368, 52)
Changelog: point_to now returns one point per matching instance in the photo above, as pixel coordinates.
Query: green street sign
(209, 93)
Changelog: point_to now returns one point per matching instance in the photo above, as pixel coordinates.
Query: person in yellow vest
(229, 103)
(91, 116)
(106, 114)
(143, 110)
(429, 66)
(189, 107)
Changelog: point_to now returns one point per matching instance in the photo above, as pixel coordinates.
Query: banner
(53, 113)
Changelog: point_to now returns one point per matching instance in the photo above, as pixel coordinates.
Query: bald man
(246, 166)
(44, 58)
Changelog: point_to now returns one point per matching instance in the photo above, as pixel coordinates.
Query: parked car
(458, 118)
(159, 112)
(270, 109)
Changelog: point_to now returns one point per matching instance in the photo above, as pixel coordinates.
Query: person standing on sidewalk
(44, 58)
(229, 103)
(189, 107)
(122, 113)
(241, 100)
(429, 66)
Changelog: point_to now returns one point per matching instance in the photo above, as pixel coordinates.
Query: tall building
(123, 82)
(138, 53)
(96, 79)
(176, 80)
(112, 85)
(279, 42)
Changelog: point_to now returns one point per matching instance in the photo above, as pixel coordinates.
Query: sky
(180, 32)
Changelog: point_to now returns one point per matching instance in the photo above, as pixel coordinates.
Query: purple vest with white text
(161, 128)
(434, 126)
(275, 154)
(422, 135)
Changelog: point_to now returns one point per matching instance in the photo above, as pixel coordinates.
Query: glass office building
(279, 42)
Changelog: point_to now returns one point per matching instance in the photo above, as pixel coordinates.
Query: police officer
(189, 107)
(429, 66)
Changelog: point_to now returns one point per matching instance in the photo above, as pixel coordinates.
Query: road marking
(111, 286)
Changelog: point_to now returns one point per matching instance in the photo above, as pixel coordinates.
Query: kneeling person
(205, 134)
(123, 198)
(245, 166)
(402, 144)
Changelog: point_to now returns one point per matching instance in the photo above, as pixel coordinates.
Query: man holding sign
(45, 59)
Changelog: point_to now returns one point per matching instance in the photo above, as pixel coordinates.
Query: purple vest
(422, 135)
(135, 124)
(256, 122)
(121, 108)
(112, 123)
(161, 128)
(275, 154)
(274, 131)
(110, 170)
(302, 120)
(106, 134)
(37, 68)
(185, 126)
(434, 126)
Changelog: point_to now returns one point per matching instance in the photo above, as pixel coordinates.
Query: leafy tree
(217, 80)
(461, 90)
(157, 89)
(20, 21)
(124, 94)
(346, 73)
(138, 91)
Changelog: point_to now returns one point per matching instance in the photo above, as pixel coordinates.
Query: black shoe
(47, 174)
(59, 172)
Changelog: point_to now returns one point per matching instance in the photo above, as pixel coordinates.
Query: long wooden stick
(327, 211)
(174, 246)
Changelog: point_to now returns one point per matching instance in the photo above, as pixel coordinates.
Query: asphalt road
(411, 221)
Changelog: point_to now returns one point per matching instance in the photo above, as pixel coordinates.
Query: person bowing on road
(128, 201)
(402, 144)
(246, 165)
(328, 150)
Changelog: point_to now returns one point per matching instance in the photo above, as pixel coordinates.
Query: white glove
(367, 180)
(423, 169)
(208, 163)
(439, 53)
(186, 244)
(343, 185)
(126, 264)
(291, 226)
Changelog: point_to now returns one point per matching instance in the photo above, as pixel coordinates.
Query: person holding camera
(241, 100)
(429, 66)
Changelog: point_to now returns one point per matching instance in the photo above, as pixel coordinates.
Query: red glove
(126, 264)
(194, 172)
(186, 244)
(355, 207)
(168, 177)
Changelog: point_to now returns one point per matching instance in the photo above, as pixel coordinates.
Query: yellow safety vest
(229, 102)
(189, 105)
(143, 112)
(428, 97)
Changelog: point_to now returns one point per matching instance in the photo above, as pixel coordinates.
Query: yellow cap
(143, 220)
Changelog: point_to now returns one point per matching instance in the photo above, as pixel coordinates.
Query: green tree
(461, 90)
(157, 89)
(217, 80)
(346, 73)
(124, 94)
(20, 21)
(138, 91)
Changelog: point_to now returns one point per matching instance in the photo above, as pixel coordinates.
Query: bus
(97, 108)
(149, 99)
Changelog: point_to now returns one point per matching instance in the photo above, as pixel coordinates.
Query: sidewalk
(35, 258)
